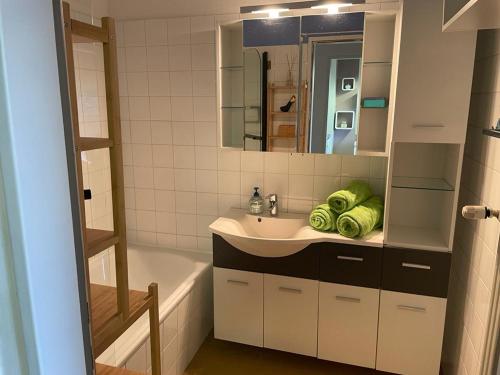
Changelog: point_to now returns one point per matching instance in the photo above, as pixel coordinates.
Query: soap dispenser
(256, 203)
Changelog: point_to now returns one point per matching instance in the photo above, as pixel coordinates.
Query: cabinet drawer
(303, 264)
(416, 271)
(348, 321)
(351, 265)
(238, 306)
(291, 314)
(410, 333)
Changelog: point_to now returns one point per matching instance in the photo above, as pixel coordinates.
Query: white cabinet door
(238, 306)
(291, 314)
(434, 77)
(410, 333)
(348, 320)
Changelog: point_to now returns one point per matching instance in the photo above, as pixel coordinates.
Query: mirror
(294, 84)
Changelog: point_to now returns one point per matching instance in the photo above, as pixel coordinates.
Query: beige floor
(217, 357)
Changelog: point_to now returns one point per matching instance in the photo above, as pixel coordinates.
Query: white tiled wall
(177, 181)
(476, 242)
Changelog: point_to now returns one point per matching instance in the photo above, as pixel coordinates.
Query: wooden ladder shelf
(112, 309)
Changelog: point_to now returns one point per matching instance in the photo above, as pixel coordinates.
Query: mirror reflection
(294, 84)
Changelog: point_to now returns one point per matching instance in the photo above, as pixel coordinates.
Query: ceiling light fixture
(271, 12)
(332, 8)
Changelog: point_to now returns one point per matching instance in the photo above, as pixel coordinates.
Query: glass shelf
(422, 183)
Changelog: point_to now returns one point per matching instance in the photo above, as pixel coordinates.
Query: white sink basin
(279, 236)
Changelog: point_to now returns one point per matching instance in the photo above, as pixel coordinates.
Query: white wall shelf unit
(380, 56)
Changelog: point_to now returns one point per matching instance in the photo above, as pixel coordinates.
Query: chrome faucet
(273, 204)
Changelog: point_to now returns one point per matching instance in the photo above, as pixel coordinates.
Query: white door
(348, 321)
(291, 314)
(238, 306)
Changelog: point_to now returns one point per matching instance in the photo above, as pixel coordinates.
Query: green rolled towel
(323, 218)
(362, 219)
(354, 194)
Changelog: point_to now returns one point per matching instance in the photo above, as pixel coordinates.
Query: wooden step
(99, 240)
(108, 370)
(87, 143)
(107, 323)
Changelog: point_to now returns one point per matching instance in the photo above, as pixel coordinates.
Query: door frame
(490, 363)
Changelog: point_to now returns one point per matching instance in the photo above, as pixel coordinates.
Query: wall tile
(229, 160)
(229, 182)
(206, 181)
(145, 199)
(185, 202)
(135, 59)
(355, 166)
(181, 83)
(158, 59)
(163, 156)
(164, 178)
(275, 162)
(301, 164)
(205, 134)
(179, 58)
(252, 161)
(159, 83)
(186, 224)
(156, 32)
(249, 180)
(327, 165)
(166, 222)
(161, 132)
(139, 108)
(164, 200)
(206, 204)
(183, 133)
(185, 180)
(137, 84)
(182, 108)
(134, 33)
(204, 83)
(184, 157)
(204, 109)
(146, 220)
(178, 31)
(160, 108)
(203, 56)
(206, 158)
(202, 29)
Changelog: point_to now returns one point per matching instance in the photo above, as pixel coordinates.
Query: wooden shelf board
(282, 137)
(108, 370)
(87, 143)
(86, 33)
(99, 240)
(104, 311)
(284, 114)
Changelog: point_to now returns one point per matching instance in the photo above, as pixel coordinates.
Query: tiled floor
(217, 357)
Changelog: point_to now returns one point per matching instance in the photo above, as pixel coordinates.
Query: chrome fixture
(273, 204)
(479, 212)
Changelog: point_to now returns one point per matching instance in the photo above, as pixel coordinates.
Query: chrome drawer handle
(348, 299)
(290, 290)
(412, 308)
(415, 265)
(354, 259)
(237, 282)
(428, 126)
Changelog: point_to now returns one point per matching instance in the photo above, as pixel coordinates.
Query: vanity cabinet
(434, 77)
(347, 326)
(375, 307)
(410, 333)
(238, 306)
(291, 314)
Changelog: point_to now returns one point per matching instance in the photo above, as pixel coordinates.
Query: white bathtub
(185, 302)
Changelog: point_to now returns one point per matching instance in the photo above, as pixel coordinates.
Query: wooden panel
(99, 240)
(116, 162)
(103, 304)
(87, 144)
(107, 370)
(87, 33)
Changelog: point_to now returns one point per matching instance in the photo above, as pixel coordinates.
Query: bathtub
(185, 302)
